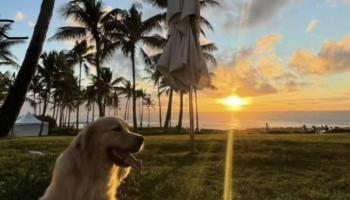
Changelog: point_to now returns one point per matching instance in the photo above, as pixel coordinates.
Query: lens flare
(228, 168)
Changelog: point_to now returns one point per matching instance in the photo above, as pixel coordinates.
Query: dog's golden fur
(84, 170)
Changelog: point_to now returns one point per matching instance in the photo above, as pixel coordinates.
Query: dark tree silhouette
(17, 94)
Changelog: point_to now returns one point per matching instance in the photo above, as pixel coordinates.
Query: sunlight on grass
(228, 167)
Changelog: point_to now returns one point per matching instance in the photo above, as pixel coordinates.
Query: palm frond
(69, 32)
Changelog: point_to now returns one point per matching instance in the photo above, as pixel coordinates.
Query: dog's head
(111, 139)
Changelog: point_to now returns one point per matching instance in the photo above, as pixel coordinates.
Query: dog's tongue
(135, 163)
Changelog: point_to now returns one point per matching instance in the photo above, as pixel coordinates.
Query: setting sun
(234, 102)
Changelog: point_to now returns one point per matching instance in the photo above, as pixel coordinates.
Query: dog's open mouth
(125, 159)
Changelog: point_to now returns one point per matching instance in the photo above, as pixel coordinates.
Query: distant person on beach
(304, 129)
(326, 129)
(314, 130)
(267, 127)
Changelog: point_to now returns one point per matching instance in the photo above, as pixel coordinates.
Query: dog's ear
(84, 138)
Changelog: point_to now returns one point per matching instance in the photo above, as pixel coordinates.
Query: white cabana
(28, 125)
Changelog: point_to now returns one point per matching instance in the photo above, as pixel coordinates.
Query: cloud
(253, 13)
(312, 26)
(31, 24)
(266, 43)
(334, 57)
(255, 71)
(335, 3)
(20, 16)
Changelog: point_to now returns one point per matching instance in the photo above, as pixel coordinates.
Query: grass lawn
(266, 166)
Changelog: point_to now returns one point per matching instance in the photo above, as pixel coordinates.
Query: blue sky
(294, 35)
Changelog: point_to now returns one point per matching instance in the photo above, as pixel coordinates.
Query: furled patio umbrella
(182, 62)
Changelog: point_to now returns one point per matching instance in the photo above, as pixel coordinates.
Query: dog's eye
(117, 129)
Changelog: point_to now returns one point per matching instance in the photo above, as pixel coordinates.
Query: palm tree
(141, 94)
(107, 83)
(17, 94)
(128, 30)
(90, 16)
(6, 57)
(127, 90)
(179, 125)
(81, 54)
(90, 97)
(148, 103)
(169, 91)
(35, 87)
(208, 50)
(154, 76)
(46, 71)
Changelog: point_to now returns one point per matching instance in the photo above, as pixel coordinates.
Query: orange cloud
(334, 57)
(266, 43)
(255, 71)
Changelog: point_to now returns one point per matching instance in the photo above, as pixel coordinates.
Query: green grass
(266, 166)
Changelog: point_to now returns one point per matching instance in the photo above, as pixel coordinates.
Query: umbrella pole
(193, 147)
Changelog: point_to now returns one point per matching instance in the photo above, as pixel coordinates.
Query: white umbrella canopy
(182, 62)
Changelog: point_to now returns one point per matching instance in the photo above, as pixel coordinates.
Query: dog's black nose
(140, 140)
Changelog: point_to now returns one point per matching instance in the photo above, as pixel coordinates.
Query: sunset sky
(290, 55)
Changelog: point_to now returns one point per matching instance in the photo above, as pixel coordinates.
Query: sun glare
(234, 102)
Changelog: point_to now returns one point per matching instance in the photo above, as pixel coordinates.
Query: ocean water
(244, 120)
(227, 120)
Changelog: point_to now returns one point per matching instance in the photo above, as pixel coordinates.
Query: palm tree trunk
(65, 116)
(160, 109)
(57, 112)
(126, 108)
(197, 117)
(134, 90)
(192, 134)
(39, 109)
(168, 113)
(98, 72)
(54, 108)
(78, 102)
(93, 112)
(61, 115)
(46, 103)
(141, 118)
(149, 117)
(69, 114)
(87, 114)
(179, 125)
(34, 102)
(16, 96)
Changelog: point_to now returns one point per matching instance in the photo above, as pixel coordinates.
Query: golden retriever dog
(96, 162)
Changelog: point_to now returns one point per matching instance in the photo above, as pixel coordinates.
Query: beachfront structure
(28, 125)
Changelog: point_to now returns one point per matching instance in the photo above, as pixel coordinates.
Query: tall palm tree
(127, 90)
(81, 54)
(154, 76)
(148, 103)
(141, 94)
(91, 101)
(35, 87)
(6, 56)
(108, 84)
(46, 70)
(169, 91)
(17, 94)
(89, 16)
(129, 31)
(179, 125)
